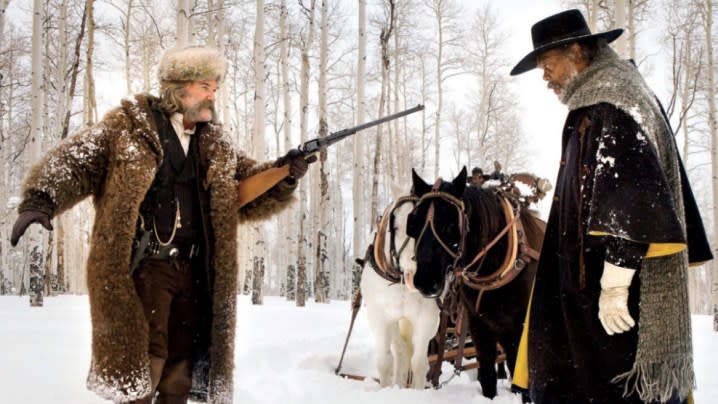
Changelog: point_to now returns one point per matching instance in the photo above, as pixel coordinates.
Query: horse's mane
(483, 206)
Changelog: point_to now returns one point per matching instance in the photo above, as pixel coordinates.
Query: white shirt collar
(177, 123)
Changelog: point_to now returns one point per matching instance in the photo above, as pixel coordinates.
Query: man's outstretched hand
(298, 164)
(24, 220)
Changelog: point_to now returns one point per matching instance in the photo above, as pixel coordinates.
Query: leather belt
(172, 251)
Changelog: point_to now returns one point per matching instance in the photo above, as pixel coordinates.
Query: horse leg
(424, 331)
(382, 329)
(486, 346)
(401, 345)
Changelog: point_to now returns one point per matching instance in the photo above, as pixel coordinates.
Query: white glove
(613, 302)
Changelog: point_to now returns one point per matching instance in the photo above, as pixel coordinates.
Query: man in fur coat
(609, 320)
(162, 269)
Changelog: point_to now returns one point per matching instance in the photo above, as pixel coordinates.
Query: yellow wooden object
(252, 187)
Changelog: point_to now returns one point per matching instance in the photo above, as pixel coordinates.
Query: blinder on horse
(389, 267)
(417, 228)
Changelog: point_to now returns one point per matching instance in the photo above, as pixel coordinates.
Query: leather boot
(144, 400)
(163, 398)
(176, 379)
(157, 366)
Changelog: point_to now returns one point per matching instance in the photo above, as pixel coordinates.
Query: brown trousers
(167, 289)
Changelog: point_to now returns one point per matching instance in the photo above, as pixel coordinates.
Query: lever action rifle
(252, 187)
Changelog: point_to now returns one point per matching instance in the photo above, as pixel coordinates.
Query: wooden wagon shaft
(357, 377)
(469, 352)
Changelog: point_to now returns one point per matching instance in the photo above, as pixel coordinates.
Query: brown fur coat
(115, 162)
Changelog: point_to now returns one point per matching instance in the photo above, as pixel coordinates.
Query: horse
(466, 240)
(402, 320)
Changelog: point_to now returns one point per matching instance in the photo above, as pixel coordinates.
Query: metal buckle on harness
(174, 252)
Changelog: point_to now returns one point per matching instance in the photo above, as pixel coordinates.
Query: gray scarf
(664, 356)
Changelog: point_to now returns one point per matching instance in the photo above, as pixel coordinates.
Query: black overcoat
(609, 182)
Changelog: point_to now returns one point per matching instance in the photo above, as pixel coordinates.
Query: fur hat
(192, 63)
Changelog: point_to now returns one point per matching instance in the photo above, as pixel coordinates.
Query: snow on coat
(115, 162)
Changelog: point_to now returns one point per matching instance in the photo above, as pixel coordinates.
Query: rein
(518, 254)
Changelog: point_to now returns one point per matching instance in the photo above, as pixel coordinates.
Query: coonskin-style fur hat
(192, 63)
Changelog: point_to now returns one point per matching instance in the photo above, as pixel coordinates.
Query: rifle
(252, 187)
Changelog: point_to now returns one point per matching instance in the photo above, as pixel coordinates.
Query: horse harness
(388, 266)
(518, 252)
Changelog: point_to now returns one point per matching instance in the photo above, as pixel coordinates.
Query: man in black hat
(609, 320)
(477, 177)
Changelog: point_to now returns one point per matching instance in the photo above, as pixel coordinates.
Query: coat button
(563, 162)
(555, 198)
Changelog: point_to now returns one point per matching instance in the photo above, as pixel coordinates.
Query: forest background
(305, 68)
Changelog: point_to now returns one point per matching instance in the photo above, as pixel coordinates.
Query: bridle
(518, 252)
(455, 202)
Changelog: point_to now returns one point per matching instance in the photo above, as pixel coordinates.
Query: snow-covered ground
(284, 355)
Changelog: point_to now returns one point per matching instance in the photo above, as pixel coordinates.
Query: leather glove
(24, 220)
(613, 301)
(298, 165)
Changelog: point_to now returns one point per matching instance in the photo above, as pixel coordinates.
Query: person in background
(162, 269)
(477, 177)
(609, 318)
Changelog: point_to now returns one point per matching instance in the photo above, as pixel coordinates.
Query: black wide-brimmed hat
(556, 30)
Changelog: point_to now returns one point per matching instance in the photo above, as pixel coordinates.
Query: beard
(559, 86)
(194, 113)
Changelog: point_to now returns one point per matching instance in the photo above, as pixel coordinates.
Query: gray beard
(193, 113)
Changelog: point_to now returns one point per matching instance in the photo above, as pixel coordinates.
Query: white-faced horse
(401, 319)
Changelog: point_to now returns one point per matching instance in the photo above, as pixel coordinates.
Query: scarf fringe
(659, 381)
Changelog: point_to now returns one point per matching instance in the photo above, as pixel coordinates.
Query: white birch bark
(90, 109)
(258, 138)
(3, 6)
(321, 280)
(303, 127)
(289, 219)
(126, 46)
(359, 169)
(183, 23)
(33, 236)
(708, 26)
(621, 44)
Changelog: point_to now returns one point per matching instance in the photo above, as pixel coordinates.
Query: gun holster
(139, 250)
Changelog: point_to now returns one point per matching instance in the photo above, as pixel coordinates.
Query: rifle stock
(252, 187)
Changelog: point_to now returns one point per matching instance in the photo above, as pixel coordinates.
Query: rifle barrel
(314, 145)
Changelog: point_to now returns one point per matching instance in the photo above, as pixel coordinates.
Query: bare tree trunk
(258, 138)
(708, 26)
(358, 177)
(384, 37)
(33, 236)
(62, 285)
(224, 90)
(289, 219)
(621, 44)
(258, 281)
(3, 7)
(90, 109)
(183, 22)
(321, 280)
(128, 64)
(73, 80)
(291, 285)
(303, 126)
